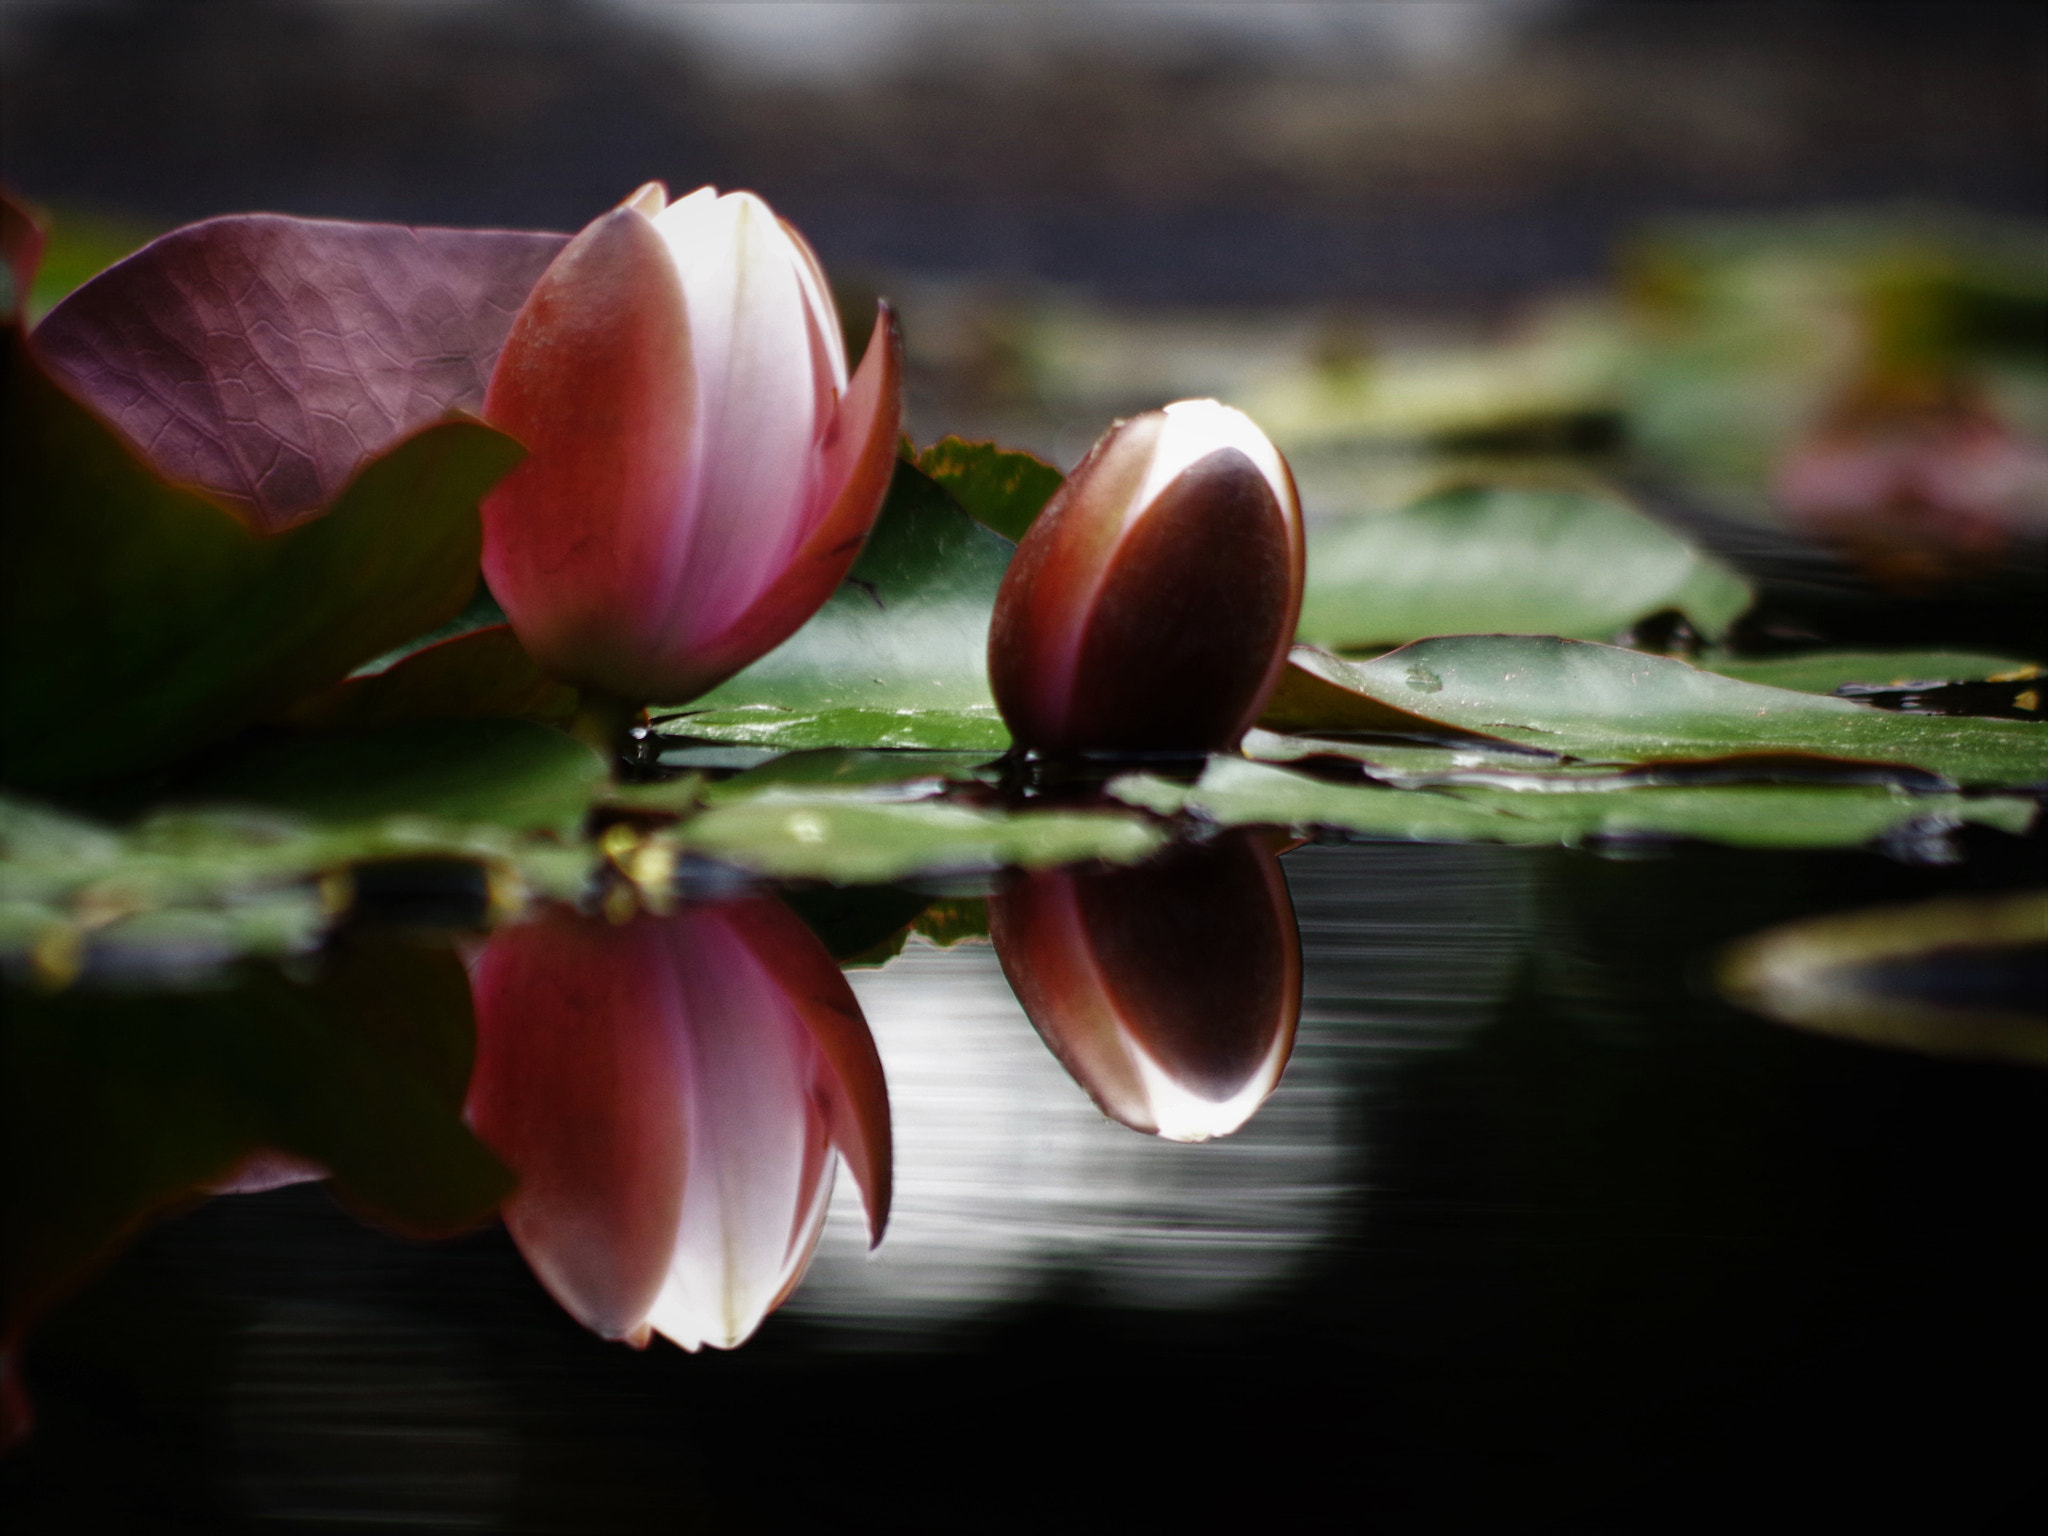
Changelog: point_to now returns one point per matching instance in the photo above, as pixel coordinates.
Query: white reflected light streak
(1007, 1176)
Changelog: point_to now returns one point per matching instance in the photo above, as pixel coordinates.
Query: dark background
(1142, 153)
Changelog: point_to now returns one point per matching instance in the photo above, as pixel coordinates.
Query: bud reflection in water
(1169, 991)
(671, 1092)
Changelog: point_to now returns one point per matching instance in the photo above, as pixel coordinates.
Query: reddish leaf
(265, 359)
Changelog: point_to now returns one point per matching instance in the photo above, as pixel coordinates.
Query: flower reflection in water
(671, 1092)
(1169, 991)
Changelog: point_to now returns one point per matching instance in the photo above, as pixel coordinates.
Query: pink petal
(760, 1138)
(852, 1091)
(581, 1084)
(757, 409)
(853, 463)
(597, 381)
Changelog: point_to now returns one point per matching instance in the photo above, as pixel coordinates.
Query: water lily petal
(757, 408)
(760, 1159)
(853, 463)
(582, 1085)
(850, 1088)
(597, 381)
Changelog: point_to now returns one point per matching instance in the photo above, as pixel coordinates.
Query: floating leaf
(1234, 792)
(266, 360)
(1825, 671)
(1488, 558)
(1962, 976)
(175, 623)
(1000, 488)
(886, 775)
(897, 658)
(177, 897)
(794, 836)
(1600, 703)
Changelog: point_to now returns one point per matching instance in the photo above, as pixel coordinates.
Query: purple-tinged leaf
(140, 621)
(265, 359)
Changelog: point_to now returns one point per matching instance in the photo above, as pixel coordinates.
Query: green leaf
(1234, 792)
(892, 775)
(897, 658)
(170, 619)
(965, 728)
(797, 836)
(1599, 703)
(1506, 558)
(181, 894)
(1000, 488)
(1825, 671)
(507, 773)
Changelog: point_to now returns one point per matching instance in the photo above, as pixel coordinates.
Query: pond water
(1536, 1230)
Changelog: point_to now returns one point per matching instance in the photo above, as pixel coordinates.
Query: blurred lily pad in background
(1963, 976)
(1507, 559)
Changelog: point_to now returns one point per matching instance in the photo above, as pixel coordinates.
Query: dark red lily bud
(1151, 605)
(1169, 991)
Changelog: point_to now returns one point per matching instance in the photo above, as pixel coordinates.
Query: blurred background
(1778, 269)
(1082, 205)
(1559, 1230)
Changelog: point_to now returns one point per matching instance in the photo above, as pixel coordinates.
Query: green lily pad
(1600, 703)
(511, 774)
(1000, 488)
(1524, 559)
(797, 836)
(181, 894)
(889, 775)
(1825, 671)
(173, 622)
(1234, 792)
(897, 658)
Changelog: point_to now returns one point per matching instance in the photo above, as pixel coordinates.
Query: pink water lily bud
(702, 469)
(673, 1094)
(1170, 991)
(1150, 606)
